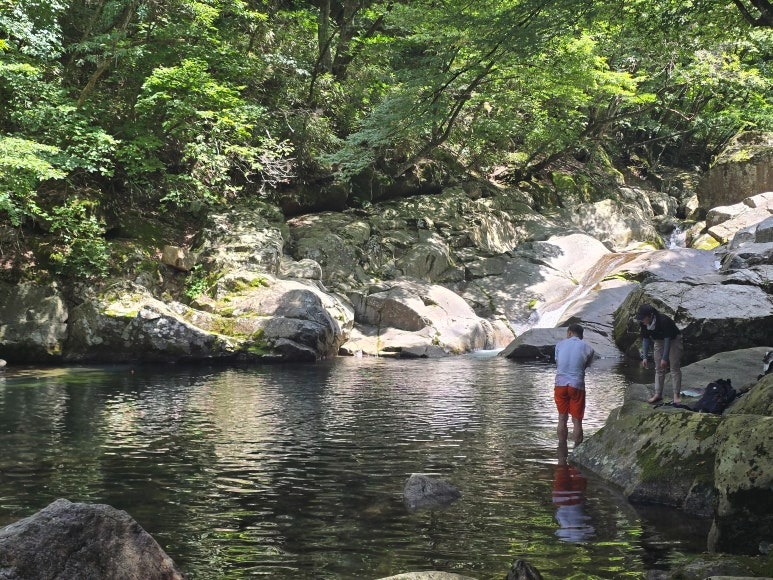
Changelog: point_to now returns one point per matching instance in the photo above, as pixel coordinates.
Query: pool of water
(290, 471)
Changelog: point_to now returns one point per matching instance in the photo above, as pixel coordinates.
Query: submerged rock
(429, 575)
(422, 491)
(522, 570)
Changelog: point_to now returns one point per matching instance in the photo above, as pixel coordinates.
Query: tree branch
(765, 9)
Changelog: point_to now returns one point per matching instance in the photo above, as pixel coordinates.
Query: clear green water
(298, 471)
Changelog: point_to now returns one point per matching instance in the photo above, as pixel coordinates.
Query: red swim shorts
(570, 401)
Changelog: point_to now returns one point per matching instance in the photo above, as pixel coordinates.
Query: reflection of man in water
(569, 496)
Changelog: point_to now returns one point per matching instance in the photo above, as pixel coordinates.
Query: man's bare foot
(677, 400)
(655, 399)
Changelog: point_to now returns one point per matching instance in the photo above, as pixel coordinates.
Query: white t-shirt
(573, 356)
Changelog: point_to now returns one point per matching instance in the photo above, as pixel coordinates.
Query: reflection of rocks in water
(665, 529)
(569, 498)
(426, 492)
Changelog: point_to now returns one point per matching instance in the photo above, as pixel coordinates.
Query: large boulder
(422, 491)
(33, 322)
(656, 456)
(412, 318)
(726, 222)
(619, 225)
(743, 169)
(712, 316)
(743, 478)
(701, 463)
(125, 323)
(750, 248)
(531, 285)
(247, 238)
(540, 344)
(292, 318)
(251, 316)
(83, 541)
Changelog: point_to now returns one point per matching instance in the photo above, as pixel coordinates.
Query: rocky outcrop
(743, 169)
(84, 541)
(414, 319)
(721, 466)
(428, 238)
(126, 323)
(247, 238)
(467, 267)
(529, 285)
(619, 224)
(714, 307)
(726, 222)
(743, 474)
(252, 317)
(33, 322)
(751, 250)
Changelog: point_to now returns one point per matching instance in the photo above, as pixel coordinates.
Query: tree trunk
(324, 37)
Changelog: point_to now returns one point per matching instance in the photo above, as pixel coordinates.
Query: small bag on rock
(716, 397)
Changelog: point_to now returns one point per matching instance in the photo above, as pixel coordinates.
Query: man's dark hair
(644, 311)
(576, 330)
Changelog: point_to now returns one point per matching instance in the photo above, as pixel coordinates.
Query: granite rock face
(743, 169)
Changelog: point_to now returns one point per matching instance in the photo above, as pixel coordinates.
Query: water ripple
(290, 471)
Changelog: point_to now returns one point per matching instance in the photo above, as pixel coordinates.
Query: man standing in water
(573, 356)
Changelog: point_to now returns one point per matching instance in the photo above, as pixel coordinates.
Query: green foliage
(23, 165)
(82, 250)
(509, 89)
(38, 108)
(213, 131)
(197, 282)
(32, 27)
(708, 68)
(188, 104)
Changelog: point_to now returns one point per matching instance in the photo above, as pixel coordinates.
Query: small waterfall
(677, 239)
(549, 316)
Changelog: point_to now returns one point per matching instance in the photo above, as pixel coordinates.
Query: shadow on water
(298, 470)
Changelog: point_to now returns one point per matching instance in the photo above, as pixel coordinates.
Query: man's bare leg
(563, 452)
(563, 430)
(577, 431)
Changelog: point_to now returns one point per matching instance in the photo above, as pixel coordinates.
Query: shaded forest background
(173, 108)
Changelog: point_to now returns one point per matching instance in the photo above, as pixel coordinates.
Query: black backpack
(716, 397)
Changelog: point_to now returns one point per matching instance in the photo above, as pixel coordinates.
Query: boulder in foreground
(84, 541)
